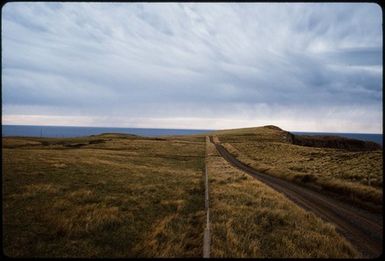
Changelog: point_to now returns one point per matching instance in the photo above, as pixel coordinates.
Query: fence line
(206, 236)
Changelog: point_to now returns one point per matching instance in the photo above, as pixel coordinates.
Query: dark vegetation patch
(333, 142)
(158, 139)
(75, 145)
(116, 135)
(305, 178)
(96, 141)
(70, 144)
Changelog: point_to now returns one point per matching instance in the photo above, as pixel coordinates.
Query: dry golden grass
(126, 196)
(344, 172)
(114, 196)
(248, 219)
(17, 142)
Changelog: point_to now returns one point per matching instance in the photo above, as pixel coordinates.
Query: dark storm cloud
(300, 66)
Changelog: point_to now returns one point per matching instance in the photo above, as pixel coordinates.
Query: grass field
(116, 195)
(249, 219)
(113, 196)
(344, 172)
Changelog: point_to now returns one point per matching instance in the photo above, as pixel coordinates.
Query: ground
(115, 195)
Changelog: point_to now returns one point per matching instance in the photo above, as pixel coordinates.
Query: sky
(302, 67)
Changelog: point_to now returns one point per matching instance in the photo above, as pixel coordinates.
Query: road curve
(362, 228)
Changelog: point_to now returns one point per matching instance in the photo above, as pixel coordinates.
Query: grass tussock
(114, 196)
(86, 220)
(356, 175)
(248, 219)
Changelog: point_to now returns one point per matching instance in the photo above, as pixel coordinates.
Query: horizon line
(78, 126)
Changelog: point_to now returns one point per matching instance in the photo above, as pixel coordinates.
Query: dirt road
(363, 229)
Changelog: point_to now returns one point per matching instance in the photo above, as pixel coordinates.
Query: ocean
(66, 132)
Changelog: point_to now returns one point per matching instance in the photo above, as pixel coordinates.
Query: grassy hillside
(103, 196)
(116, 195)
(358, 175)
(249, 219)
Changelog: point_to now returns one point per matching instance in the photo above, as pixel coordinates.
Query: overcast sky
(309, 67)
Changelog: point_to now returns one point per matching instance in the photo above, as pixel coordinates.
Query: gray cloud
(198, 61)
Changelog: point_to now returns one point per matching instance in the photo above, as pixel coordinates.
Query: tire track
(362, 228)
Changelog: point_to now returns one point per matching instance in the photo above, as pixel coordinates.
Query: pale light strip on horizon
(184, 123)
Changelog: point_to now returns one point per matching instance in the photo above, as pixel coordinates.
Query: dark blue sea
(65, 132)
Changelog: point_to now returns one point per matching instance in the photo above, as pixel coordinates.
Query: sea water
(66, 132)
